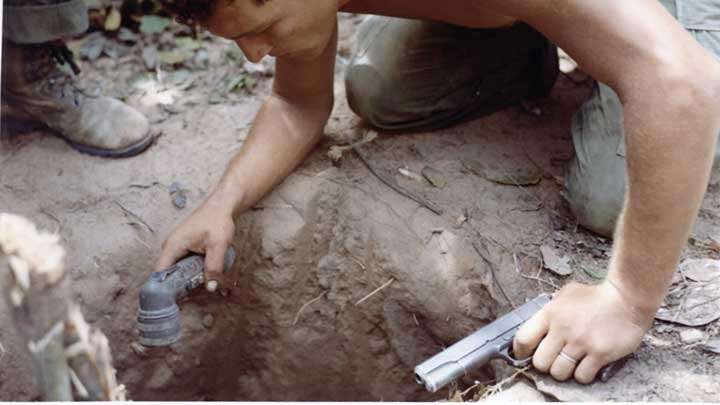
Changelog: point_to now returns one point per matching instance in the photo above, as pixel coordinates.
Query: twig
(496, 388)
(377, 290)
(358, 261)
(336, 151)
(79, 387)
(134, 215)
(535, 278)
(400, 190)
(516, 263)
(305, 305)
(51, 215)
(143, 186)
(550, 283)
(477, 384)
(494, 277)
(142, 242)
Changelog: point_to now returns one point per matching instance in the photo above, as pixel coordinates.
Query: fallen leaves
(554, 261)
(697, 302)
(516, 176)
(113, 20)
(712, 345)
(152, 24)
(434, 176)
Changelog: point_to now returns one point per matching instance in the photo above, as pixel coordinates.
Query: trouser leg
(411, 74)
(596, 177)
(38, 21)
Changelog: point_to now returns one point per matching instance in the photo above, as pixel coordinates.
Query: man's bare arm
(286, 129)
(670, 89)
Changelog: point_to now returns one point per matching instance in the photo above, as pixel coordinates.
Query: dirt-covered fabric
(38, 21)
(595, 180)
(404, 74)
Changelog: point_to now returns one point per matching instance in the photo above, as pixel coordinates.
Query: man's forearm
(282, 136)
(670, 147)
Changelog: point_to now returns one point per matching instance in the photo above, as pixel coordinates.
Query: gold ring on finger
(568, 358)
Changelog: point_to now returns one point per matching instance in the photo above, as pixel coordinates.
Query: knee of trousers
(365, 91)
(596, 176)
(374, 85)
(595, 193)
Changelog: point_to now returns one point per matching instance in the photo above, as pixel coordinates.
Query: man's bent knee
(365, 93)
(595, 178)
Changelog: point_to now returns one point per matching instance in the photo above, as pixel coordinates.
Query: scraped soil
(301, 321)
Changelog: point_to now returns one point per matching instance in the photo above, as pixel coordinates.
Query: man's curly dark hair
(193, 12)
(190, 12)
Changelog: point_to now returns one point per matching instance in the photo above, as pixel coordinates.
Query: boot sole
(17, 127)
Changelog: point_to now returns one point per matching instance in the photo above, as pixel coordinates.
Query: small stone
(208, 321)
(180, 200)
(689, 336)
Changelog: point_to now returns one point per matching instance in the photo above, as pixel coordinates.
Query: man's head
(297, 28)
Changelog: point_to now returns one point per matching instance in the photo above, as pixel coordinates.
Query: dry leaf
(555, 262)
(113, 20)
(506, 176)
(434, 176)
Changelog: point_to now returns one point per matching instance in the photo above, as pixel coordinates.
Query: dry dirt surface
(301, 321)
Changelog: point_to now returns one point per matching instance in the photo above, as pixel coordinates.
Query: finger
(587, 369)
(171, 253)
(547, 351)
(563, 367)
(529, 335)
(214, 259)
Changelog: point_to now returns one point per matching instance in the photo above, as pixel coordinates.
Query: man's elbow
(690, 91)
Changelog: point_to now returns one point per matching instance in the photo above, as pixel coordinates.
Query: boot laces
(44, 67)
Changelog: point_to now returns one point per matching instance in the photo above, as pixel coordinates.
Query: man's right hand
(207, 231)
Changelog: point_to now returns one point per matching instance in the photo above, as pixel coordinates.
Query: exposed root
(305, 305)
(377, 290)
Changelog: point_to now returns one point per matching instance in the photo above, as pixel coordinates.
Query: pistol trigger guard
(505, 355)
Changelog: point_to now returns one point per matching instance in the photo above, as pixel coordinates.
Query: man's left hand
(581, 330)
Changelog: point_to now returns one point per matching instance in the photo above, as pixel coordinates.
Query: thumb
(214, 258)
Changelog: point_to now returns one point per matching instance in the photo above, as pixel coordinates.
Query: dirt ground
(327, 237)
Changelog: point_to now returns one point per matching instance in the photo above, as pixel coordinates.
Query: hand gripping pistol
(490, 342)
(158, 319)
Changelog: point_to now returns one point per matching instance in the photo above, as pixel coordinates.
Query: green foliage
(152, 24)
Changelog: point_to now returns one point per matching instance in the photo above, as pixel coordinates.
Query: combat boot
(37, 93)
